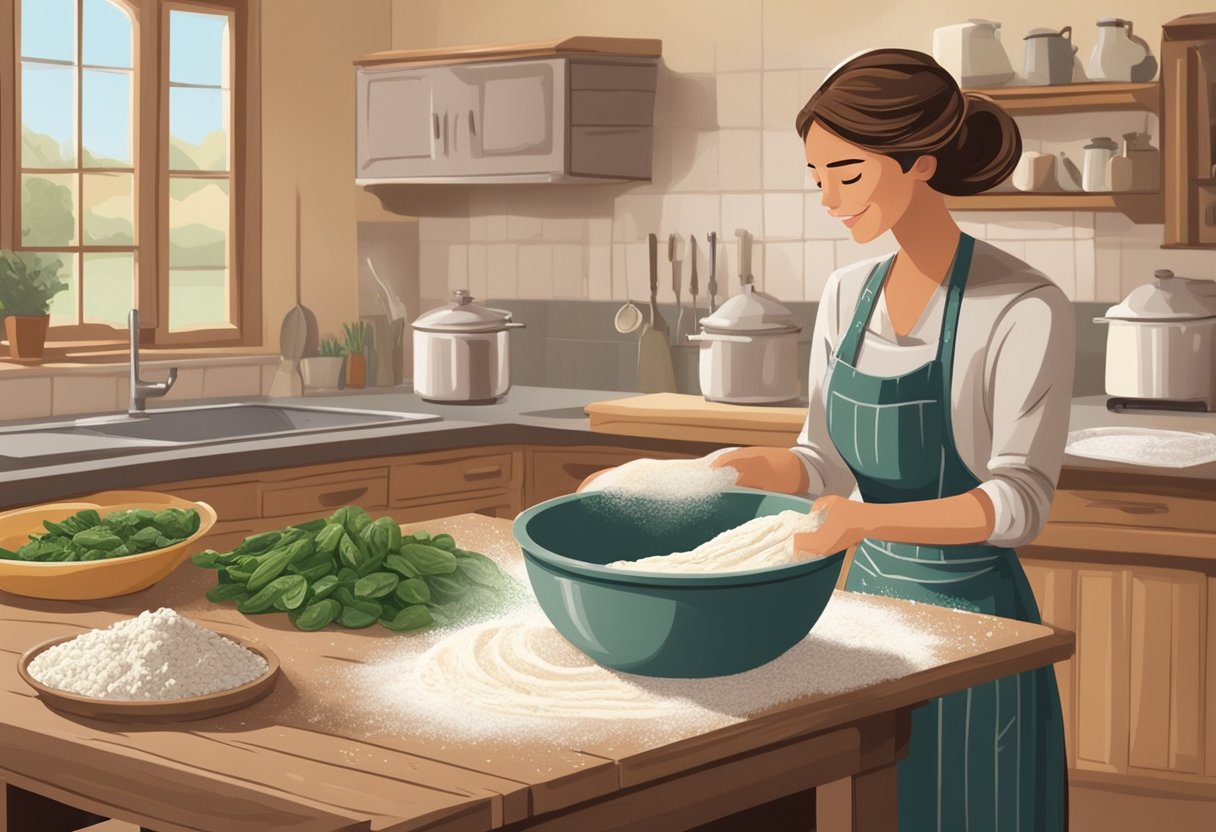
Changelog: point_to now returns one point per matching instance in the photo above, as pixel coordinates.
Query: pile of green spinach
(355, 571)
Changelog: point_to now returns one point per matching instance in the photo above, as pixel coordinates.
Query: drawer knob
(341, 498)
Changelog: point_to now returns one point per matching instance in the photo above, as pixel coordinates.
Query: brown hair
(902, 104)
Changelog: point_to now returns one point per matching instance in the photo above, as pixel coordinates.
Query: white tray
(1145, 447)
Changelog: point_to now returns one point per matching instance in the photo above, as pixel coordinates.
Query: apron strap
(850, 345)
(945, 342)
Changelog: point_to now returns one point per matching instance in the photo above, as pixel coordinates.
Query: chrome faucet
(142, 390)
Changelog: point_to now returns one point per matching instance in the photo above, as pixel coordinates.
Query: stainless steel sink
(175, 427)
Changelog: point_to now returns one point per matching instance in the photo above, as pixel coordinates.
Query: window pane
(109, 281)
(63, 305)
(198, 129)
(48, 116)
(198, 48)
(198, 222)
(198, 298)
(107, 35)
(48, 29)
(109, 209)
(48, 209)
(106, 119)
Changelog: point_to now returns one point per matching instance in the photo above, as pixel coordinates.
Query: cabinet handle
(435, 124)
(445, 134)
(1129, 507)
(483, 473)
(341, 498)
(472, 124)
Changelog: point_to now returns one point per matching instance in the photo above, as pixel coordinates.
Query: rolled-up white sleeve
(1028, 378)
(825, 469)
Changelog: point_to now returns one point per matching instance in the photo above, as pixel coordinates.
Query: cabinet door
(399, 131)
(508, 118)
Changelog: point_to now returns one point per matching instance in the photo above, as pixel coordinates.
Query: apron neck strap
(850, 345)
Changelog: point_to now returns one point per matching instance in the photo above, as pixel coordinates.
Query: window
(135, 163)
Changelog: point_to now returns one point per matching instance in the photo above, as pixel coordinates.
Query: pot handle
(713, 336)
(1066, 33)
(513, 324)
(1102, 320)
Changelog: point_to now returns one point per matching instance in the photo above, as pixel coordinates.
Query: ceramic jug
(1049, 56)
(1120, 55)
(1098, 154)
(1139, 168)
(972, 53)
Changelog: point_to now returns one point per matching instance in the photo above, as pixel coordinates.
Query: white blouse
(1011, 391)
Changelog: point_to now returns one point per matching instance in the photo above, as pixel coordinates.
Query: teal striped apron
(987, 758)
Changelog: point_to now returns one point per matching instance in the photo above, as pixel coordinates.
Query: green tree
(47, 215)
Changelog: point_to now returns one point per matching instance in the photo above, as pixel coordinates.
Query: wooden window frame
(150, 152)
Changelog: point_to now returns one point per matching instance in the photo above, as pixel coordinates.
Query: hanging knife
(713, 272)
(745, 255)
(672, 244)
(693, 288)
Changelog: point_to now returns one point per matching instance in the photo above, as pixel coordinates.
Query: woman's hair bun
(903, 104)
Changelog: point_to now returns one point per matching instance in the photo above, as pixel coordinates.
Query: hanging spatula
(655, 371)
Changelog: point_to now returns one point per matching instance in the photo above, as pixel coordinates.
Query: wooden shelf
(1076, 98)
(1140, 206)
(581, 45)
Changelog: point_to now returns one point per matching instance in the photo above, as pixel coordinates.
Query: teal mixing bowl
(654, 624)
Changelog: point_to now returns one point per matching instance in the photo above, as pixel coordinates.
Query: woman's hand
(841, 528)
(769, 469)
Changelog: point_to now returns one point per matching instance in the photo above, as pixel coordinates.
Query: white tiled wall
(726, 157)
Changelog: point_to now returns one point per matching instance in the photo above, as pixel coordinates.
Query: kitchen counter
(303, 758)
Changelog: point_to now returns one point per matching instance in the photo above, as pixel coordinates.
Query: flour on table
(516, 679)
(155, 656)
(757, 544)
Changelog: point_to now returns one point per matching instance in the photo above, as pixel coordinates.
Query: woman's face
(869, 192)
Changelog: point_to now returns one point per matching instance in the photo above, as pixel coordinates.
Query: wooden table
(284, 763)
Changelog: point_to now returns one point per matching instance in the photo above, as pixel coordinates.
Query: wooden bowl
(192, 707)
(90, 579)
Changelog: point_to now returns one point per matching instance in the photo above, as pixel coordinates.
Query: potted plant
(324, 370)
(356, 361)
(27, 285)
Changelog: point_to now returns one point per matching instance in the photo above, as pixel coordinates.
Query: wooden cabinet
(1188, 130)
(537, 119)
(1130, 569)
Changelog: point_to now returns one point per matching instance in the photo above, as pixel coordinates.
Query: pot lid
(752, 311)
(1168, 298)
(462, 315)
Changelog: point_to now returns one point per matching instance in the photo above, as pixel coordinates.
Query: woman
(940, 381)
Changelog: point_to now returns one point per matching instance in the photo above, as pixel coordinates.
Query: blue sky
(48, 31)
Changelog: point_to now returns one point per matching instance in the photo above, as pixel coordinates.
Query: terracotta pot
(356, 370)
(26, 335)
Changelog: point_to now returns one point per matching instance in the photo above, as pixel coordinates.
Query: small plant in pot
(28, 283)
(356, 361)
(324, 371)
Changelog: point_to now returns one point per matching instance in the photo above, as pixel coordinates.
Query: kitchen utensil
(1162, 341)
(693, 287)
(972, 53)
(1035, 172)
(462, 352)
(1119, 55)
(712, 288)
(389, 373)
(385, 354)
(628, 318)
(745, 255)
(192, 707)
(1068, 176)
(1049, 56)
(655, 371)
(1138, 168)
(293, 334)
(686, 625)
(1098, 154)
(91, 579)
(749, 350)
(673, 243)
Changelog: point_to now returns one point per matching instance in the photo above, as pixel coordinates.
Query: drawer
(611, 107)
(504, 505)
(1129, 508)
(451, 475)
(233, 501)
(601, 76)
(324, 495)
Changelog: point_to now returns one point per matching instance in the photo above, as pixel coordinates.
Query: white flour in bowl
(661, 494)
(757, 544)
(516, 680)
(155, 656)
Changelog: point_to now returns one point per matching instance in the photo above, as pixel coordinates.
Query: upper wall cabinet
(1188, 130)
(576, 110)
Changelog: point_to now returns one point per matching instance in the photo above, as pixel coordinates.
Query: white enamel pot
(752, 368)
(462, 353)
